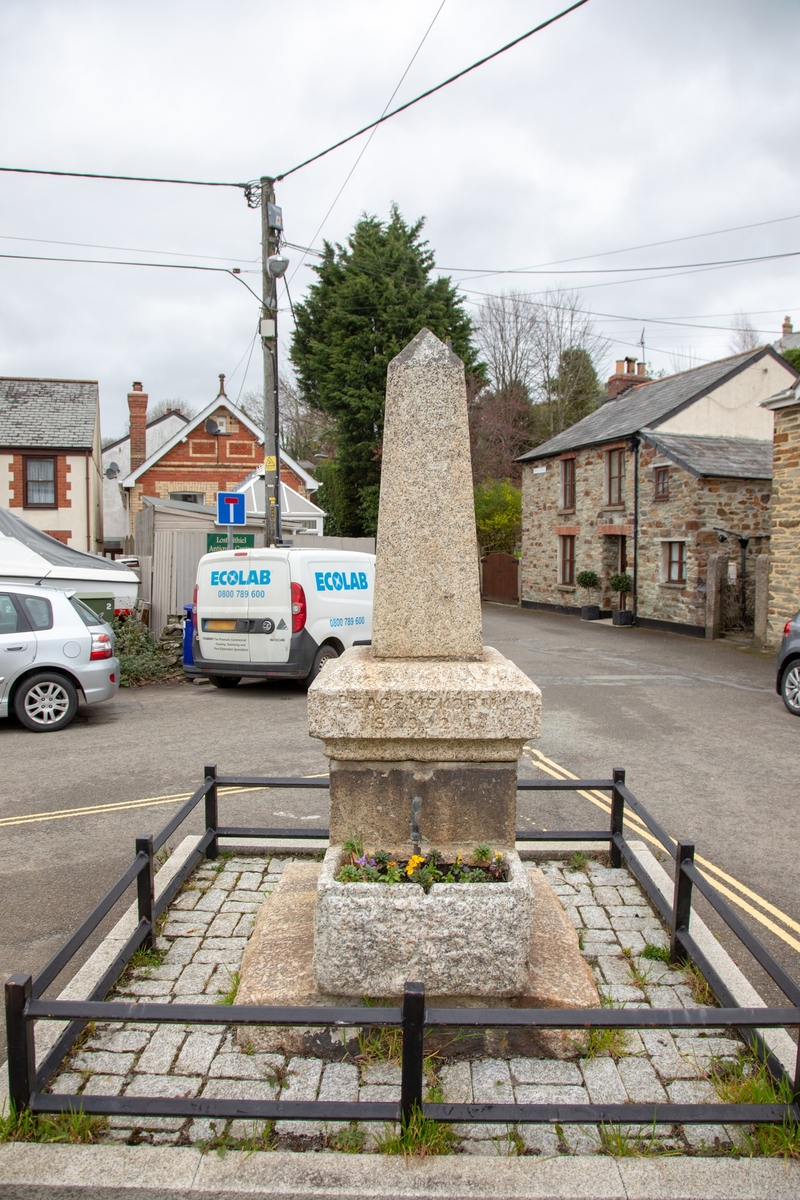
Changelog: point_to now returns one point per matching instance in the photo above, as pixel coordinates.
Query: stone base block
(461, 804)
(365, 708)
(457, 939)
(277, 970)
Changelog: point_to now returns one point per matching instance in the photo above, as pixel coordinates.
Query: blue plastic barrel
(188, 633)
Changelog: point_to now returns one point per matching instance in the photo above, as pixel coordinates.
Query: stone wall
(689, 513)
(784, 580)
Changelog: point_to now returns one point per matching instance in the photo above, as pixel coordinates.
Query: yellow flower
(459, 860)
(415, 861)
(393, 863)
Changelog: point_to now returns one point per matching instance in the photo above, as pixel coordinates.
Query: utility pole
(271, 227)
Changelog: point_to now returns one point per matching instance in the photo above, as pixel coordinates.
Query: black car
(788, 684)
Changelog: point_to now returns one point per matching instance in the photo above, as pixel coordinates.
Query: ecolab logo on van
(236, 578)
(336, 581)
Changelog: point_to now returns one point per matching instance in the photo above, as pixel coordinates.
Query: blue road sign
(231, 508)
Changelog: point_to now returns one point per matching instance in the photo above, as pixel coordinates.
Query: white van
(279, 613)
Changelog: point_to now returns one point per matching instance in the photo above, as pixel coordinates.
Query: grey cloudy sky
(629, 122)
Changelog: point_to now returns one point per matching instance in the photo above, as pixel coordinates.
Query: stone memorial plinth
(424, 727)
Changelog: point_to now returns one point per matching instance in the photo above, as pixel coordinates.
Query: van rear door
(269, 607)
(222, 624)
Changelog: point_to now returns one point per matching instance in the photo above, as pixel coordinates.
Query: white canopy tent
(29, 556)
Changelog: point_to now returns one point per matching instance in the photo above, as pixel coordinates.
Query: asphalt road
(707, 744)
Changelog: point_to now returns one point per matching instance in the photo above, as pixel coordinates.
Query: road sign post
(231, 510)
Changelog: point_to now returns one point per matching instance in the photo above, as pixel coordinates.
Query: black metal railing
(25, 1003)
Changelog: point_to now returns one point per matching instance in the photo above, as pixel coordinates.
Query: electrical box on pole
(271, 228)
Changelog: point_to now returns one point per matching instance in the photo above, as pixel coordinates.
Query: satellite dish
(112, 470)
(212, 427)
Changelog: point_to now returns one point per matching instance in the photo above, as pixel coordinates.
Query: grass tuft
(579, 860)
(347, 1141)
(747, 1081)
(616, 1141)
(699, 986)
(74, 1127)
(418, 1137)
(229, 995)
(656, 953)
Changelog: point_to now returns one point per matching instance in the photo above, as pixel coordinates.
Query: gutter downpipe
(635, 443)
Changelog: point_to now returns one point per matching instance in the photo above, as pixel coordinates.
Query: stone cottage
(650, 484)
(784, 566)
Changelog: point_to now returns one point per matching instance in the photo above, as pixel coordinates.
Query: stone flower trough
(459, 939)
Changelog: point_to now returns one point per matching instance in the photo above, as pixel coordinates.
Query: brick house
(117, 464)
(647, 484)
(784, 566)
(194, 463)
(50, 457)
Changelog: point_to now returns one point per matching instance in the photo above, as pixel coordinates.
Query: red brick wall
(61, 535)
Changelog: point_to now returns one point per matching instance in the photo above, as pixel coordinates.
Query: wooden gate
(501, 578)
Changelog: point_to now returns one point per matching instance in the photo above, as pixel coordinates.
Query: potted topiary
(589, 581)
(623, 584)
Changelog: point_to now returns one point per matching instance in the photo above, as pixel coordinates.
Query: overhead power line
(424, 95)
(366, 145)
(124, 178)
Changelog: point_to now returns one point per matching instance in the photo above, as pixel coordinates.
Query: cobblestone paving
(202, 942)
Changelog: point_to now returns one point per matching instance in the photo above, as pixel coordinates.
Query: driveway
(707, 744)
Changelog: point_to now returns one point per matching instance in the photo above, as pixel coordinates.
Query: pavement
(707, 744)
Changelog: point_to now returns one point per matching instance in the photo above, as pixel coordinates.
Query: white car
(280, 613)
(53, 649)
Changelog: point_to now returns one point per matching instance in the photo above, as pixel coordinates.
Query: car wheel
(225, 680)
(46, 702)
(790, 687)
(324, 655)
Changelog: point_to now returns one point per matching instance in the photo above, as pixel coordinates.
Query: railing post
(617, 816)
(681, 902)
(146, 890)
(212, 819)
(21, 1048)
(413, 1032)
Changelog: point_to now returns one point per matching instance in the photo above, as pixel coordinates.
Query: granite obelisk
(425, 715)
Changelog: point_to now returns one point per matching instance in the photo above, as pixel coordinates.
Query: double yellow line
(90, 810)
(734, 891)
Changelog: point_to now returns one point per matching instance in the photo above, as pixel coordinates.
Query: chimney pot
(787, 327)
(641, 368)
(137, 387)
(620, 366)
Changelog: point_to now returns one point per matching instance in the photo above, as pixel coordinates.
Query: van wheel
(224, 681)
(46, 702)
(324, 655)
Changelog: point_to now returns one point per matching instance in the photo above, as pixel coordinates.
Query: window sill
(670, 584)
(565, 512)
(565, 587)
(616, 508)
(48, 507)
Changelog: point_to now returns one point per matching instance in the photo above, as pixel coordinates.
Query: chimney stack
(137, 407)
(628, 374)
(787, 327)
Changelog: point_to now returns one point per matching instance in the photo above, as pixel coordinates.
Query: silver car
(53, 649)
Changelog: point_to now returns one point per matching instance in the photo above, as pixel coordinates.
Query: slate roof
(718, 457)
(48, 413)
(645, 405)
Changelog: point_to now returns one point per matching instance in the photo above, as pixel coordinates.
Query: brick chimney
(787, 327)
(137, 407)
(627, 374)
